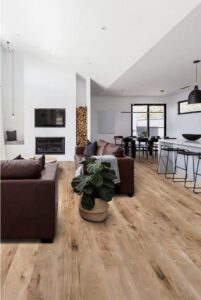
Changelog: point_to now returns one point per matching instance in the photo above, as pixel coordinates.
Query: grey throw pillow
(18, 157)
(90, 149)
(11, 135)
(42, 162)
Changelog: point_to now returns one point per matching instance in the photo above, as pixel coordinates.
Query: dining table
(144, 143)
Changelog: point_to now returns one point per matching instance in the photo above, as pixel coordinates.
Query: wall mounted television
(50, 117)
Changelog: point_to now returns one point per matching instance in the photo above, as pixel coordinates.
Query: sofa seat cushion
(20, 169)
(112, 149)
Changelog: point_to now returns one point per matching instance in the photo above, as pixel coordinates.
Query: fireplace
(50, 145)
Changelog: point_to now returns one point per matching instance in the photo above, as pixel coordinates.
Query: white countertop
(182, 142)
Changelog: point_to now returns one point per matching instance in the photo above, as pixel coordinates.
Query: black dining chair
(118, 140)
(153, 145)
(142, 146)
(130, 146)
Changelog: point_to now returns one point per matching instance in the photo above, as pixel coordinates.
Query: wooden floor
(149, 247)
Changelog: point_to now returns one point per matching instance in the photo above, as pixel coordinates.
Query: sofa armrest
(49, 173)
(29, 206)
(79, 150)
(126, 171)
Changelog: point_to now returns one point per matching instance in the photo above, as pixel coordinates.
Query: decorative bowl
(191, 137)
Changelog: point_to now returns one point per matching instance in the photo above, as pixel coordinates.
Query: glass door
(139, 120)
(148, 120)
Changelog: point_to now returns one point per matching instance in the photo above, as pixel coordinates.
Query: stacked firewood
(81, 125)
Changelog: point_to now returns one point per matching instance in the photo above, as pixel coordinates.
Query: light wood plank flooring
(149, 247)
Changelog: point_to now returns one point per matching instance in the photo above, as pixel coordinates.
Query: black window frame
(150, 104)
(190, 112)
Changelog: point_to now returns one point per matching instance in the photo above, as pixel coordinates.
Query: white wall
(80, 91)
(89, 108)
(2, 144)
(83, 98)
(178, 124)
(16, 123)
(117, 105)
(47, 86)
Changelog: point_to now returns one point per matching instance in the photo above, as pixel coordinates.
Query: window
(148, 120)
(185, 108)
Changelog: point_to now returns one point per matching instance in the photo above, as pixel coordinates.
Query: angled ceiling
(100, 39)
(168, 65)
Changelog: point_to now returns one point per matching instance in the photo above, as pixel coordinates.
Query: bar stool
(168, 150)
(195, 188)
(186, 154)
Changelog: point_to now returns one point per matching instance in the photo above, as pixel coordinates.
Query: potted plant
(145, 133)
(96, 188)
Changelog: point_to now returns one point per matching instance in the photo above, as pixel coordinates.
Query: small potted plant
(96, 188)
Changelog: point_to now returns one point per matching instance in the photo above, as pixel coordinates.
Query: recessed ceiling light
(162, 91)
(104, 28)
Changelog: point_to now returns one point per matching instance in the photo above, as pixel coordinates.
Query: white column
(2, 143)
(88, 102)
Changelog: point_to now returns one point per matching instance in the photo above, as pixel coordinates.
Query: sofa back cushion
(41, 161)
(112, 149)
(20, 169)
(101, 144)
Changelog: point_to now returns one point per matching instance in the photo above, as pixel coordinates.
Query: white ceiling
(167, 66)
(68, 32)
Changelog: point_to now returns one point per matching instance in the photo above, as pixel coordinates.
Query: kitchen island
(193, 146)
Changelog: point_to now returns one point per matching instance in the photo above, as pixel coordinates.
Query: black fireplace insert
(50, 145)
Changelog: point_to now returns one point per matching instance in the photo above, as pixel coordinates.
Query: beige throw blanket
(114, 164)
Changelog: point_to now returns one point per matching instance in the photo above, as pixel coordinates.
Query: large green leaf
(89, 189)
(79, 182)
(106, 165)
(109, 174)
(87, 201)
(105, 193)
(87, 161)
(109, 183)
(94, 168)
(96, 180)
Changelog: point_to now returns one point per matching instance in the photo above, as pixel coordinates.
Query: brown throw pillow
(112, 149)
(101, 144)
(11, 135)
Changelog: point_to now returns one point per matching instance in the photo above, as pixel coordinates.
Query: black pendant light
(195, 96)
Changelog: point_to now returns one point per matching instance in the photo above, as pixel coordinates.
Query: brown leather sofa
(28, 200)
(126, 170)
